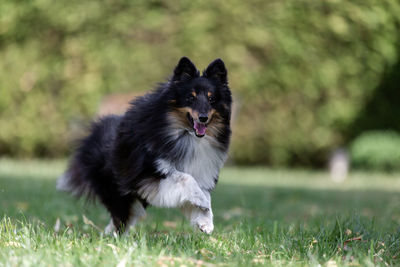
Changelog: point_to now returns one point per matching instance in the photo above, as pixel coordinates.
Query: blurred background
(312, 81)
(316, 86)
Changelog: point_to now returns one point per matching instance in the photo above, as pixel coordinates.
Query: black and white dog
(166, 150)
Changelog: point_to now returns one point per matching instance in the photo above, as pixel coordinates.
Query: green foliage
(300, 71)
(378, 150)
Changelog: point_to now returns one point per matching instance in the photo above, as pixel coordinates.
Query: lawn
(262, 217)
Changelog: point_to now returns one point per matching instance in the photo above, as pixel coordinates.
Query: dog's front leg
(180, 189)
(177, 189)
(202, 219)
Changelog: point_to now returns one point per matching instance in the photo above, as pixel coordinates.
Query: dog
(166, 150)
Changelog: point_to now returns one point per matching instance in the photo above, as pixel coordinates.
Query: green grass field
(262, 217)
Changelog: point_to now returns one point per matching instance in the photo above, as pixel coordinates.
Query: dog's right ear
(185, 70)
(216, 70)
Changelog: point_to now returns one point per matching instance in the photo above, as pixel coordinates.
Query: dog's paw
(202, 220)
(206, 228)
(110, 228)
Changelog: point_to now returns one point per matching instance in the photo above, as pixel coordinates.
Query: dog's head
(201, 103)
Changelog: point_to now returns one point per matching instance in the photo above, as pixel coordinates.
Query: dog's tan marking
(184, 110)
(193, 113)
(216, 124)
(194, 93)
(209, 94)
(178, 117)
(211, 113)
(214, 127)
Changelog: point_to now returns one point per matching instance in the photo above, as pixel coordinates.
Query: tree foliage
(300, 71)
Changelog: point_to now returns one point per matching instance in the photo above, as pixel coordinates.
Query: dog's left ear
(216, 70)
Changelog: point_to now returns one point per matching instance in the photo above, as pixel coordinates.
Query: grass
(262, 217)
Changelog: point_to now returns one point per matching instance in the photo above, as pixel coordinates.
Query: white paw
(202, 220)
(206, 228)
(110, 228)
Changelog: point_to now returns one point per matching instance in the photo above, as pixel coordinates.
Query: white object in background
(339, 165)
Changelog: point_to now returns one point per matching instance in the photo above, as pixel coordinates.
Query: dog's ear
(216, 70)
(185, 70)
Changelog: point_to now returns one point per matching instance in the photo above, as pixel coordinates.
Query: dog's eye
(211, 99)
(190, 98)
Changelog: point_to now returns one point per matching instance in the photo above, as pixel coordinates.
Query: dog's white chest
(203, 161)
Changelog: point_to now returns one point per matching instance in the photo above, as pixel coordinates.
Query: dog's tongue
(200, 128)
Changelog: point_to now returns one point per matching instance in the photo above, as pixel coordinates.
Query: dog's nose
(203, 118)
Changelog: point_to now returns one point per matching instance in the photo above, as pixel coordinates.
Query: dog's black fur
(120, 154)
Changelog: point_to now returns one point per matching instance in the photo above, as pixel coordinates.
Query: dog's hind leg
(120, 211)
(110, 228)
(138, 212)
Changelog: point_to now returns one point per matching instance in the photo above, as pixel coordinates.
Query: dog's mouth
(198, 127)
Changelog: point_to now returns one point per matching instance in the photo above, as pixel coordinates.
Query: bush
(300, 71)
(377, 150)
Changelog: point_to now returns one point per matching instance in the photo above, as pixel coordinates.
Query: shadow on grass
(33, 199)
